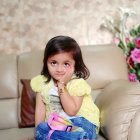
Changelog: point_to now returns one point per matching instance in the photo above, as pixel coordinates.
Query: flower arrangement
(128, 40)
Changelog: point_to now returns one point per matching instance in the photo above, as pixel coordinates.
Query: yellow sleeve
(79, 87)
(37, 83)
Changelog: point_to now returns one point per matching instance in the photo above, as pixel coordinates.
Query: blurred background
(27, 25)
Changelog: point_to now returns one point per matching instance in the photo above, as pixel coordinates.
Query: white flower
(108, 23)
(126, 12)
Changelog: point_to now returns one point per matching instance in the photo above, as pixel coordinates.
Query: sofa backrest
(106, 63)
(8, 91)
(30, 64)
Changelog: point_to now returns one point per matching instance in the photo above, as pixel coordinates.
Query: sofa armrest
(119, 105)
(134, 132)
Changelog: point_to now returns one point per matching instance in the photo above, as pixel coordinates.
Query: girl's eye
(53, 63)
(66, 65)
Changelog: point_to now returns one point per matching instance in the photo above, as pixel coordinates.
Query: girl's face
(60, 65)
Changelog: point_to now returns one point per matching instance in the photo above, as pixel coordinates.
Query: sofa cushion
(8, 113)
(17, 134)
(27, 113)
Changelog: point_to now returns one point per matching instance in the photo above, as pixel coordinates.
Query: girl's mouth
(58, 74)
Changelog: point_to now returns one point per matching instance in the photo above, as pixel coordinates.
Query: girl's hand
(67, 76)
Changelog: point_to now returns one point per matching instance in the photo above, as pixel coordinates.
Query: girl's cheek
(71, 68)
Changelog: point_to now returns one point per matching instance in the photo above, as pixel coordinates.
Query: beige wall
(28, 24)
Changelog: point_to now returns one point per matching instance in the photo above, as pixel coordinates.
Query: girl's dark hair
(61, 44)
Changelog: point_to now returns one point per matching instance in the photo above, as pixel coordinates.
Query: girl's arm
(71, 104)
(40, 110)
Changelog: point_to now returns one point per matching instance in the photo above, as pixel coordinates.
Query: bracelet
(61, 82)
(62, 90)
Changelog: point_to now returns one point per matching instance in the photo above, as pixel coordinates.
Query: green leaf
(133, 32)
(138, 34)
(132, 71)
(138, 74)
(131, 45)
(138, 71)
(138, 29)
(121, 45)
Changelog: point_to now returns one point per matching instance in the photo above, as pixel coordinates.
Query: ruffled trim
(37, 83)
(78, 87)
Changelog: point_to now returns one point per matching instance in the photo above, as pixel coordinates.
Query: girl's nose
(60, 68)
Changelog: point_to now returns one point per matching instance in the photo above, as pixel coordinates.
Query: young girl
(61, 88)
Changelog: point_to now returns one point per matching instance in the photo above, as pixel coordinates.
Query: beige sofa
(117, 98)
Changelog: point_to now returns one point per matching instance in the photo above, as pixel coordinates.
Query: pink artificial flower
(130, 61)
(132, 77)
(127, 40)
(135, 55)
(116, 40)
(137, 42)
